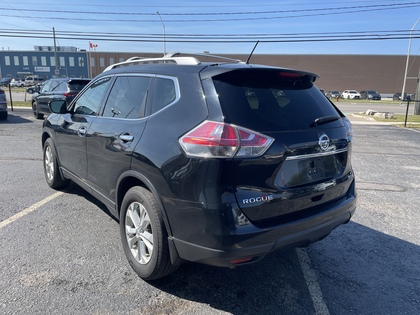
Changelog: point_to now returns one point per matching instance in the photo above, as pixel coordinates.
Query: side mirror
(58, 107)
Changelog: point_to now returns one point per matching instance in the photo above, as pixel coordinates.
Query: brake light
(67, 94)
(293, 75)
(219, 140)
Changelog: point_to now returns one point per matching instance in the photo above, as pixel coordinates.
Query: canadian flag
(92, 45)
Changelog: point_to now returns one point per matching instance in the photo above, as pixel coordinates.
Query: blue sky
(283, 27)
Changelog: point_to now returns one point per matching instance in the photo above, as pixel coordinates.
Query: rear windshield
(77, 85)
(263, 99)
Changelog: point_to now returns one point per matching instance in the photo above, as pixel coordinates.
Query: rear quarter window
(271, 99)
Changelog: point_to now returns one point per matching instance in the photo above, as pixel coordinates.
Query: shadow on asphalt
(360, 271)
(15, 118)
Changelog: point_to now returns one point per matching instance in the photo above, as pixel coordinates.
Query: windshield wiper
(324, 120)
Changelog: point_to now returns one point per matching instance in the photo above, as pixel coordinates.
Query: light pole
(408, 57)
(164, 34)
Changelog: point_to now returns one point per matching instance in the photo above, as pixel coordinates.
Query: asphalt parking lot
(61, 252)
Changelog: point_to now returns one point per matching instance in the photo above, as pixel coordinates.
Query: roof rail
(173, 54)
(145, 61)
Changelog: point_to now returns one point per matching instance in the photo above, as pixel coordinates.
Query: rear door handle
(126, 137)
(82, 131)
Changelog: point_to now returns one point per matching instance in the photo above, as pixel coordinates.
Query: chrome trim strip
(309, 156)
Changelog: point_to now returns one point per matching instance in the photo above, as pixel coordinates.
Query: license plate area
(304, 171)
(312, 169)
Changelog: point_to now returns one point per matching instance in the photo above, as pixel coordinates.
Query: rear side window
(165, 93)
(271, 99)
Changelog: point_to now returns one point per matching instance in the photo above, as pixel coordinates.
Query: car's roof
(205, 69)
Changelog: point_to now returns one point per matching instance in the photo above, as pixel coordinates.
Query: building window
(101, 62)
(34, 61)
(81, 62)
(16, 60)
(111, 61)
(7, 60)
(120, 59)
(62, 62)
(25, 61)
(92, 61)
(52, 61)
(71, 61)
(43, 61)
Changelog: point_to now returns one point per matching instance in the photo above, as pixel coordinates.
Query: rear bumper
(251, 242)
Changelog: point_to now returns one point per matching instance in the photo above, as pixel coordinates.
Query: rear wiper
(324, 120)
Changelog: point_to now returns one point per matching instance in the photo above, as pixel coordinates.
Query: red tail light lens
(219, 140)
(67, 94)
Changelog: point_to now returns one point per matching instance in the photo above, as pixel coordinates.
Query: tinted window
(271, 100)
(127, 98)
(77, 85)
(62, 86)
(90, 101)
(46, 87)
(55, 85)
(164, 93)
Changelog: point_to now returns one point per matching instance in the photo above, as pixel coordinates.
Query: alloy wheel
(139, 233)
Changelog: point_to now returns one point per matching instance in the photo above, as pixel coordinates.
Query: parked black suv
(217, 163)
(55, 89)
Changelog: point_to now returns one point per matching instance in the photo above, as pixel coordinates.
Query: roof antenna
(250, 55)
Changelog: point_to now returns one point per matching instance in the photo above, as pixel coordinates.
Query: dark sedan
(370, 95)
(5, 81)
(397, 97)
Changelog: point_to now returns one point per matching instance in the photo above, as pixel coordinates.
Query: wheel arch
(132, 178)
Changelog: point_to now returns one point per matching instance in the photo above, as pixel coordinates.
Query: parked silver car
(17, 83)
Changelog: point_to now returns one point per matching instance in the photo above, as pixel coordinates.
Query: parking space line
(312, 282)
(28, 210)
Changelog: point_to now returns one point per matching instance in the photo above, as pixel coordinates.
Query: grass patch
(383, 101)
(19, 104)
(413, 121)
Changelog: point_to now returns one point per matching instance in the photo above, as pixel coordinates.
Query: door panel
(112, 137)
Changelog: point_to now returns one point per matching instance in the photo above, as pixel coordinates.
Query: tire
(37, 115)
(51, 167)
(143, 235)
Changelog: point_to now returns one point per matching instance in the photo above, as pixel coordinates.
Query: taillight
(67, 94)
(349, 133)
(219, 140)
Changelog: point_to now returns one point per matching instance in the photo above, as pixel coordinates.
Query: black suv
(55, 89)
(217, 163)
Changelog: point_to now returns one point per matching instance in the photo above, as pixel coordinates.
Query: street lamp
(408, 57)
(164, 34)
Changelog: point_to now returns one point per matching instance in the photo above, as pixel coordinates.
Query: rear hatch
(307, 166)
(74, 86)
